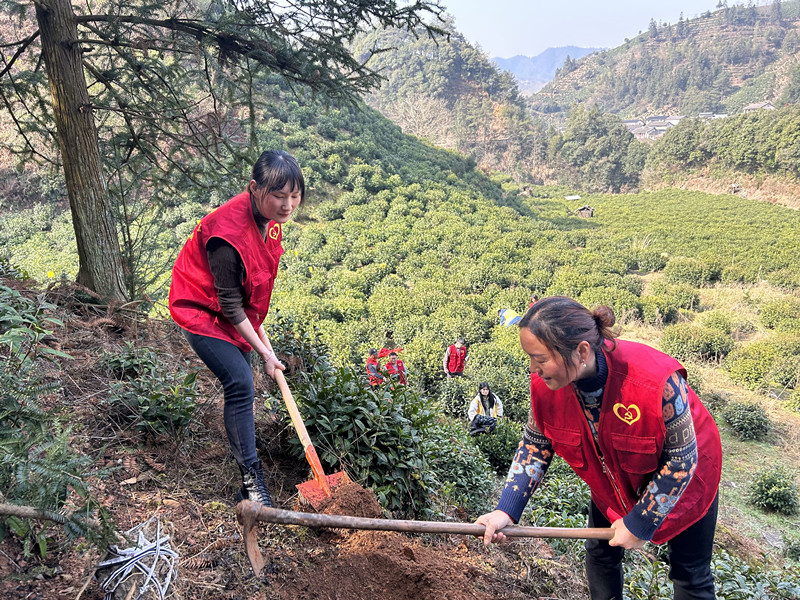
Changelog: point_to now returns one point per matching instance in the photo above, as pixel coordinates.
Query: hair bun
(604, 316)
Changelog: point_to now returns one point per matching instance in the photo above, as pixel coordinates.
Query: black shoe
(254, 488)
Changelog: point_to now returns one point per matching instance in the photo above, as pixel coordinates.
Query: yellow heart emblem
(274, 231)
(628, 414)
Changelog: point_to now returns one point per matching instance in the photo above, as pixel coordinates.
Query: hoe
(250, 513)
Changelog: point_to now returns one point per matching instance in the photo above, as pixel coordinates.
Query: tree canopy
(138, 91)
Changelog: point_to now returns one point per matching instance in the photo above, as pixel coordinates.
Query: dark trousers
(232, 367)
(689, 559)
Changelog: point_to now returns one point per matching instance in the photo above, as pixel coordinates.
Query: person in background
(455, 358)
(534, 300)
(396, 369)
(375, 377)
(623, 417)
(484, 410)
(507, 317)
(220, 293)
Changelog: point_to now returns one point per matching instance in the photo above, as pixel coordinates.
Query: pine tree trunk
(100, 261)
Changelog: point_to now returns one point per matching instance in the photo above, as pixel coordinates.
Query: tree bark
(100, 260)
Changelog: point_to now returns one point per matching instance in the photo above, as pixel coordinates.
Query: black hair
(561, 323)
(373, 352)
(491, 397)
(275, 168)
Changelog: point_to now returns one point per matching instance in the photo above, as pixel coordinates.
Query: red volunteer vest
(373, 380)
(457, 356)
(631, 436)
(400, 370)
(193, 301)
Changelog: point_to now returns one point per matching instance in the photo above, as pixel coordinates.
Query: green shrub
(791, 544)
(461, 474)
(658, 310)
(765, 363)
(500, 446)
(377, 434)
(687, 341)
(775, 489)
(623, 302)
(650, 260)
(455, 394)
(781, 314)
(739, 273)
(39, 466)
(680, 295)
(785, 278)
(749, 421)
(693, 271)
(147, 394)
(717, 320)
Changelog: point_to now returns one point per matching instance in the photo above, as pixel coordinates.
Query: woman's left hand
(623, 537)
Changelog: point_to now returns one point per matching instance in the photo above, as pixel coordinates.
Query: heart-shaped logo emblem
(628, 414)
(274, 231)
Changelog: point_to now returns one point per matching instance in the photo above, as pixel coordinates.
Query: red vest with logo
(457, 356)
(631, 436)
(373, 379)
(193, 301)
(400, 370)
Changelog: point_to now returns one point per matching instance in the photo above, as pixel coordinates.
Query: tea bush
(455, 394)
(765, 363)
(680, 295)
(687, 341)
(147, 394)
(717, 320)
(377, 434)
(500, 446)
(749, 421)
(461, 474)
(781, 314)
(658, 310)
(775, 489)
(693, 271)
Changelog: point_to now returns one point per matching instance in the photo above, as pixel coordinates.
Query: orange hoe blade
(316, 490)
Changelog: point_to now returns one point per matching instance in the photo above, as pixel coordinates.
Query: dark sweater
(228, 271)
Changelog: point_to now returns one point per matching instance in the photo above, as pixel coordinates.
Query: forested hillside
(717, 63)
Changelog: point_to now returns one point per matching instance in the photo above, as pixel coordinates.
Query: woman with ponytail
(623, 417)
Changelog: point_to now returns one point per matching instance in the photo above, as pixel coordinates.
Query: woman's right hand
(494, 521)
(271, 363)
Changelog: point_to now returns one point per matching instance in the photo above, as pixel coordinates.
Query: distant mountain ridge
(719, 62)
(534, 72)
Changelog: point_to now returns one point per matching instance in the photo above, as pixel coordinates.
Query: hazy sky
(505, 28)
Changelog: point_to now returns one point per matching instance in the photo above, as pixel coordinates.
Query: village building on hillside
(645, 132)
(632, 124)
(758, 106)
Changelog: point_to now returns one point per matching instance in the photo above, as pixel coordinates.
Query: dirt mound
(368, 565)
(353, 500)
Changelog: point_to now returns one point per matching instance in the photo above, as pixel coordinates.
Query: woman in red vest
(221, 287)
(455, 357)
(622, 416)
(373, 370)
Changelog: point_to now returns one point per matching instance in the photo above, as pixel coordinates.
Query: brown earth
(189, 485)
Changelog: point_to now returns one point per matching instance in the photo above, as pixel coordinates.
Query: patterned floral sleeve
(527, 470)
(676, 465)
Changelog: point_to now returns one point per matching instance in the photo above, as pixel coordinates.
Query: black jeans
(232, 367)
(689, 558)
